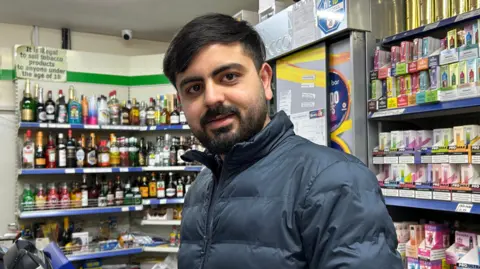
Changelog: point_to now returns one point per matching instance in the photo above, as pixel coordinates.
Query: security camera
(127, 34)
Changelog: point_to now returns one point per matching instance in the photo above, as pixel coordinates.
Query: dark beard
(224, 138)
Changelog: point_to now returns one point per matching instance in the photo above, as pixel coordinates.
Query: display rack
(154, 201)
(104, 254)
(434, 205)
(79, 211)
(56, 171)
(34, 125)
(161, 222)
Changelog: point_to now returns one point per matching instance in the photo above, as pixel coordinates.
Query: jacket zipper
(209, 223)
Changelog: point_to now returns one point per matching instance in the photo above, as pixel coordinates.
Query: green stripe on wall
(8, 74)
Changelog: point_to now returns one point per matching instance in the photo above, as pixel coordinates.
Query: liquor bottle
(133, 151)
(52, 196)
(165, 113)
(183, 119)
(188, 184)
(50, 108)
(40, 197)
(51, 152)
(61, 152)
(103, 157)
(125, 117)
(27, 105)
(64, 196)
(171, 189)
(35, 101)
(103, 111)
(94, 192)
(137, 197)
(80, 154)
(151, 155)
(110, 194)
(41, 109)
(102, 196)
(84, 109)
(84, 190)
(40, 160)
(71, 151)
(158, 111)
(118, 192)
(74, 108)
(92, 152)
(161, 186)
(151, 113)
(152, 187)
(143, 114)
(166, 150)
(135, 113)
(92, 110)
(62, 110)
(128, 196)
(175, 115)
(142, 153)
(180, 187)
(124, 154)
(180, 151)
(173, 153)
(114, 151)
(144, 188)
(114, 108)
(158, 152)
(28, 200)
(76, 195)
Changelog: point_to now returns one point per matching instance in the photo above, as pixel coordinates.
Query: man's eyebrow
(222, 68)
(187, 80)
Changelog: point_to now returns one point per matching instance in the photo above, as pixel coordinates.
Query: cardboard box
(444, 76)
(471, 70)
(424, 138)
(453, 74)
(452, 39)
(462, 72)
(384, 140)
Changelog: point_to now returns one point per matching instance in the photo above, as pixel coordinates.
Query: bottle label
(91, 158)
(110, 199)
(71, 154)
(84, 198)
(27, 114)
(150, 115)
(160, 189)
(62, 158)
(80, 157)
(174, 119)
(114, 156)
(179, 190)
(170, 192)
(125, 118)
(152, 189)
(65, 201)
(163, 119)
(40, 161)
(104, 158)
(51, 155)
(28, 154)
(183, 119)
(52, 200)
(42, 116)
(119, 197)
(62, 114)
(144, 192)
(151, 160)
(141, 159)
(114, 111)
(173, 158)
(102, 201)
(180, 161)
(103, 116)
(40, 201)
(50, 112)
(74, 113)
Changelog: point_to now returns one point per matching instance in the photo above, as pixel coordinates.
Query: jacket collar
(244, 154)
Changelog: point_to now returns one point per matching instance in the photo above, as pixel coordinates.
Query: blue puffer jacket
(279, 201)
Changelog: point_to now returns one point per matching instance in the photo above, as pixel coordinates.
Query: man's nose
(214, 94)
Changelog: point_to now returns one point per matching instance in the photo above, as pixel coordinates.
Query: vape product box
(382, 58)
(442, 137)
(463, 135)
(395, 55)
(436, 236)
(436, 264)
(475, 32)
(393, 173)
(384, 172)
(410, 139)
(430, 45)
(468, 32)
(453, 74)
(424, 138)
(406, 173)
(458, 136)
(469, 174)
(384, 140)
(452, 39)
(415, 82)
(445, 76)
(434, 73)
(408, 84)
(465, 241)
(417, 234)
(424, 81)
(417, 48)
(391, 87)
(471, 70)
(462, 72)
(406, 51)
(376, 89)
(422, 173)
(403, 85)
(450, 174)
(436, 173)
(397, 140)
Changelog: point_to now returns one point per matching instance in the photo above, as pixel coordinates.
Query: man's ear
(266, 74)
(178, 98)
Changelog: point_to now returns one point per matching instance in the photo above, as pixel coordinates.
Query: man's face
(224, 97)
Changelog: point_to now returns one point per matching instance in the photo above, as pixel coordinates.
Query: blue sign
(330, 14)
(339, 100)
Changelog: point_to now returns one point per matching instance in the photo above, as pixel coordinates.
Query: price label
(426, 159)
(392, 193)
(186, 127)
(70, 171)
(388, 112)
(152, 128)
(407, 193)
(475, 198)
(458, 159)
(406, 159)
(91, 126)
(64, 126)
(476, 159)
(442, 196)
(440, 159)
(464, 208)
(427, 195)
(390, 160)
(104, 170)
(125, 209)
(377, 160)
(138, 208)
(462, 197)
(43, 125)
(143, 128)
(123, 169)
(162, 201)
(89, 170)
(384, 192)
(146, 202)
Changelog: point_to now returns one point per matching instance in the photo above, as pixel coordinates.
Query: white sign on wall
(41, 63)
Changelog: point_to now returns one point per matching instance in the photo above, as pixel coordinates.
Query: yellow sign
(41, 63)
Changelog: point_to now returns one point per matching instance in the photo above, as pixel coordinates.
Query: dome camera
(127, 34)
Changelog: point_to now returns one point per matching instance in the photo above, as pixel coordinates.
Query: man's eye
(230, 77)
(193, 89)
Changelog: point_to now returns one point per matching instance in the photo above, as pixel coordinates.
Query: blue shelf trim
(25, 125)
(428, 204)
(104, 254)
(455, 104)
(423, 30)
(79, 211)
(154, 201)
(61, 171)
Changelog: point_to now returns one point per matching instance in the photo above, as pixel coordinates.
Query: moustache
(212, 113)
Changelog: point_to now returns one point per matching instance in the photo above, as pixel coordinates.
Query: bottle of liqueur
(40, 160)
(92, 152)
(41, 109)
(51, 152)
(103, 112)
(102, 195)
(124, 154)
(84, 190)
(71, 151)
(151, 113)
(180, 187)
(50, 108)
(92, 111)
(173, 153)
(76, 195)
(125, 117)
(143, 113)
(114, 108)
(158, 111)
(40, 197)
(61, 151)
(180, 151)
(74, 108)
(134, 113)
(62, 110)
(35, 101)
(152, 187)
(80, 154)
(165, 113)
(151, 155)
(94, 192)
(144, 188)
(171, 189)
(64, 194)
(84, 109)
(175, 115)
(133, 151)
(28, 200)
(158, 152)
(188, 184)
(161, 186)
(110, 194)
(103, 158)
(119, 195)
(53, 198)
(114, 151)
(129, 195)
(142, 153)
(137, 197)
(27, 105)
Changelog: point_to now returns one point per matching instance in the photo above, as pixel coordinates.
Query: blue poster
(330, 14)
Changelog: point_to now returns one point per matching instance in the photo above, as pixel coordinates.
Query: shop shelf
(154, 201)
(447, 24)
(78, 211)
(104, 254)
(160, 222)
(98, 170)
(429, 204)
(429, 110)
(161, 249)
(35, 125)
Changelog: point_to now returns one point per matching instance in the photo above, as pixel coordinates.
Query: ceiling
(149, 19)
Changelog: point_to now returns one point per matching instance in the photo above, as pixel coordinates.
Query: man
(267, 199)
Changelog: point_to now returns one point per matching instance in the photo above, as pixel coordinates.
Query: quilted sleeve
(345, 223)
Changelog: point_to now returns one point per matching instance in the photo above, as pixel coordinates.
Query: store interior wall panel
(387, 17)
(146, 65)
(7, 95)
(143, 93)
(98, 63)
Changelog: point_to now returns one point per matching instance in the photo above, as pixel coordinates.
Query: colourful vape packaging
(462, 72)
(471, 70)
(452, 39)
(444, 76)
(453, 74)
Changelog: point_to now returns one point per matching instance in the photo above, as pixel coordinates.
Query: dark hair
(207, 30)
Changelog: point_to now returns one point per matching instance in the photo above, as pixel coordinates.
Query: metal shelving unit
(95, 170)
(78, 211)
(104, 254)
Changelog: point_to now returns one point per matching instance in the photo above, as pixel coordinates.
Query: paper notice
(311, 125)
(285, 103)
